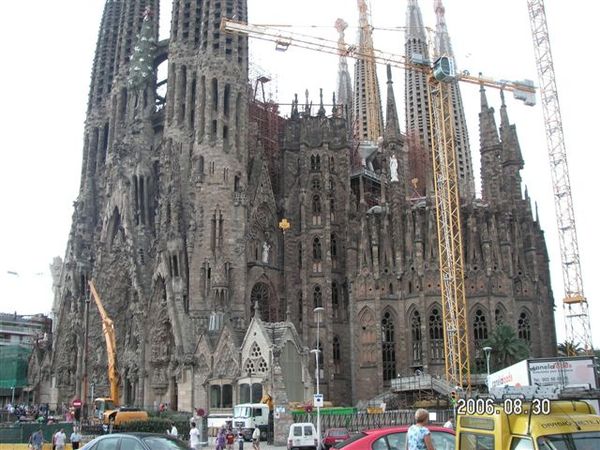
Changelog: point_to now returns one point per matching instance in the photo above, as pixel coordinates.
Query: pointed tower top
(367, 107)
(442, 38)
(321, 112)
(344, 82)
(392, 124)
(483, 96)
(414, 21)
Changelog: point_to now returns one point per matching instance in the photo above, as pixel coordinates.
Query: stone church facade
(177, 218)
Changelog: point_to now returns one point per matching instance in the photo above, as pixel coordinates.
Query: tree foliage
(507, 348)
(569, 348)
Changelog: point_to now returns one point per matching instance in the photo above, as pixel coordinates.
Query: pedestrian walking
(173, 431)
(75, 438)
(449, 423)
(194, 437)
(221, 439)
(256, 439)
(240, 439)
(37, 440)
(229, 439)
(418, 436)
(60, 439)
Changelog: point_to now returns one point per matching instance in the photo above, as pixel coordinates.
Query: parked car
(334, 435)
(135, 441)
(394, 438)
(302, 436)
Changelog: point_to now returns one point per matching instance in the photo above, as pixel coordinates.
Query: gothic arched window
(480, 334)
(436, 335)
(335, 300)
(332, 209)
(499, 315)
(524, 327)
(416, 338)
(388, 346)
(480, 330)
(317, 297)
(316, 209)
(368, 339)
(315, 162)
(317, 254)
(260, 297)
(337, 356)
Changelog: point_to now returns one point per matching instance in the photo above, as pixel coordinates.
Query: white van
(302, 436)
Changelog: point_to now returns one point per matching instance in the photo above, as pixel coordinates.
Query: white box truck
(247, 416)
(559, 372)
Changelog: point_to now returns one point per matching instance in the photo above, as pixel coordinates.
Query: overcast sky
(48, 48)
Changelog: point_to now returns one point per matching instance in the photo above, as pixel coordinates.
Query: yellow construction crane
(440, 74)
(108, 329)
(575, 305)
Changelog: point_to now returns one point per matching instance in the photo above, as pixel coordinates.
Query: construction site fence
(15, 433)
(363, 421)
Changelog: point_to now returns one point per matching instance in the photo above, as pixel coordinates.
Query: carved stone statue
(393, 168)
(266, 247)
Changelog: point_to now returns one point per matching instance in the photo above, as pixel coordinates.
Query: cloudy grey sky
(48, 48)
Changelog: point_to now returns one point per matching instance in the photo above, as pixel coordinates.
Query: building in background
(19, 335)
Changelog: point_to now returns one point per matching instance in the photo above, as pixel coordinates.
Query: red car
(394, 438)
(334, 435)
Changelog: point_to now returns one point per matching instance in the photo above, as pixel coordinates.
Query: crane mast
(575, 305)
(447, 200)
(440, 79)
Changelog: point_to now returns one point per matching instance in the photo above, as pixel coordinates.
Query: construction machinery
(107, 409)
(575, 305)
(441, 74)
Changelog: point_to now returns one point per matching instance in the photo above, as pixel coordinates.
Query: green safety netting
(13, 366)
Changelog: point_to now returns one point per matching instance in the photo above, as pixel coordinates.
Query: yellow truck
(528, 422)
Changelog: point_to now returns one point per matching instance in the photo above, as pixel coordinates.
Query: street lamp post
(487, 351)
(318, 311)
(12, 401)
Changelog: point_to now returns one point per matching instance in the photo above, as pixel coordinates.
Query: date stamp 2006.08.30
(469, 406)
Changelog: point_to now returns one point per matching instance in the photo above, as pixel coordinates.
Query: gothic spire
(367, 106)
(392, 125)
(344, 82)
(442, 38)
(490, 148)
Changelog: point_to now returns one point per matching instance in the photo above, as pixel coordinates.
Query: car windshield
(164, 443)
(351, 439)
(570, 441)
(338, 433)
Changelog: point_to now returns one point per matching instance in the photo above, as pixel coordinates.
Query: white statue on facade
(265, 252)
(393, 168)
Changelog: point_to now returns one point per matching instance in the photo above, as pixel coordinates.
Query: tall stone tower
(464, 166)
(417, 104)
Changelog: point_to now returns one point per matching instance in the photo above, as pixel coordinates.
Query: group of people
(226, 438)
(59, 439)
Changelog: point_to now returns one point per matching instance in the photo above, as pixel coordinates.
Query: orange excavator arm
(108, 329)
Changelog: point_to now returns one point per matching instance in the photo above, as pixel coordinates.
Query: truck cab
(247, 416)
(568, 425)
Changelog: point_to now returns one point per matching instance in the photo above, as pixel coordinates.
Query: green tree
(569, 348)
(506, 346)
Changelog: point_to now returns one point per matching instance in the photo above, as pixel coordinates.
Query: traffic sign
(77, 403)
(318, 400)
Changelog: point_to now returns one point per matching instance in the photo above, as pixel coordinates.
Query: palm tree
(569, 348)
(507, 348)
